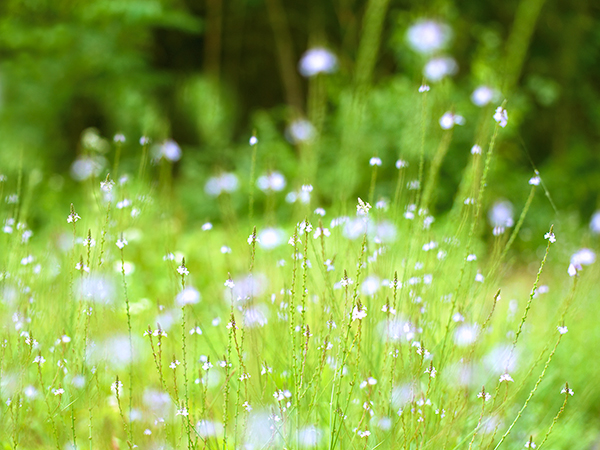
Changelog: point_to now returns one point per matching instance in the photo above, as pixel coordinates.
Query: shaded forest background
(209, 73)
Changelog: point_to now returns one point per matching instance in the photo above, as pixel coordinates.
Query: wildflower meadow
(356, 276)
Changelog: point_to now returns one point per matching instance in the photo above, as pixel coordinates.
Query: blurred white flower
(501, 116)
(483, 95)
(449, 119)
(226, 182)
(583, 257)
(269, 238)
(274, 181)
(317, 60)
(300, 130)
(501, 214)
(595, 223)
(168, 150)
(428, 36)
(189, 296)
(438, 68)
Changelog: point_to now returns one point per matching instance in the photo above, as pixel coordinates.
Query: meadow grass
(369, 325)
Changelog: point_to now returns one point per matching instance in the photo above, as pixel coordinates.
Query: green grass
(380, 333)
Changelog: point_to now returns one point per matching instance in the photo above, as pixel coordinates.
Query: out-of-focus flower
(317, 60)
(438, 68)
(428, 36)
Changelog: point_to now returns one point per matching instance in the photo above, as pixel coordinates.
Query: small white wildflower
(550, 236)
(207, 226)
(363, 207)
(431, 371)
(375, 161)
(119, 137)
(476, 150)
(229, 283)
(39, 360)
(505, 377)
(182, 270)
(121, 242)
(479, 278)
(73, 217)
(174, 364)
(359, 312)
(182, 412)
(501, 116)
(562, 329)
(567, 390)
(449, 119)
(58, 391)
(317, 60)
(116, 387)
(225, 249)
(107, 185)
(253, 140)
(482, 95)
(472, 257)
(247, 406)
(252, 239)
(484, 395)
(144, 140)
(400, 164)
(530, 444)
(424, 88)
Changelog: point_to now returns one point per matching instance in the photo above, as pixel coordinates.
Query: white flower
(174, 364)
(317, 60)
(189, 296)
(182, 270)
(501, 116)
(229, 283)
(73, 217)
(226, 182)
(375, 161)
(438, 68)
(121, 242)
(535, 181)
(562, 330)
(431, 371)
(482, 95)
(252, 239)
(449, 119)
(400, 164)
(363, 207)
(274, 181)
(107, 185)
(359, 313)
(595, 223)
(484, 395)
(505, 377)
(169, 150)
(39, 360)
(428, 36)
(253, 140)
(424, 88)
(550, 236)
(530, 444)
(566, 390)
(225, 249)
(119, 137)
(476, 150)
(182, 412)
(583, 257)
(300, 130)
